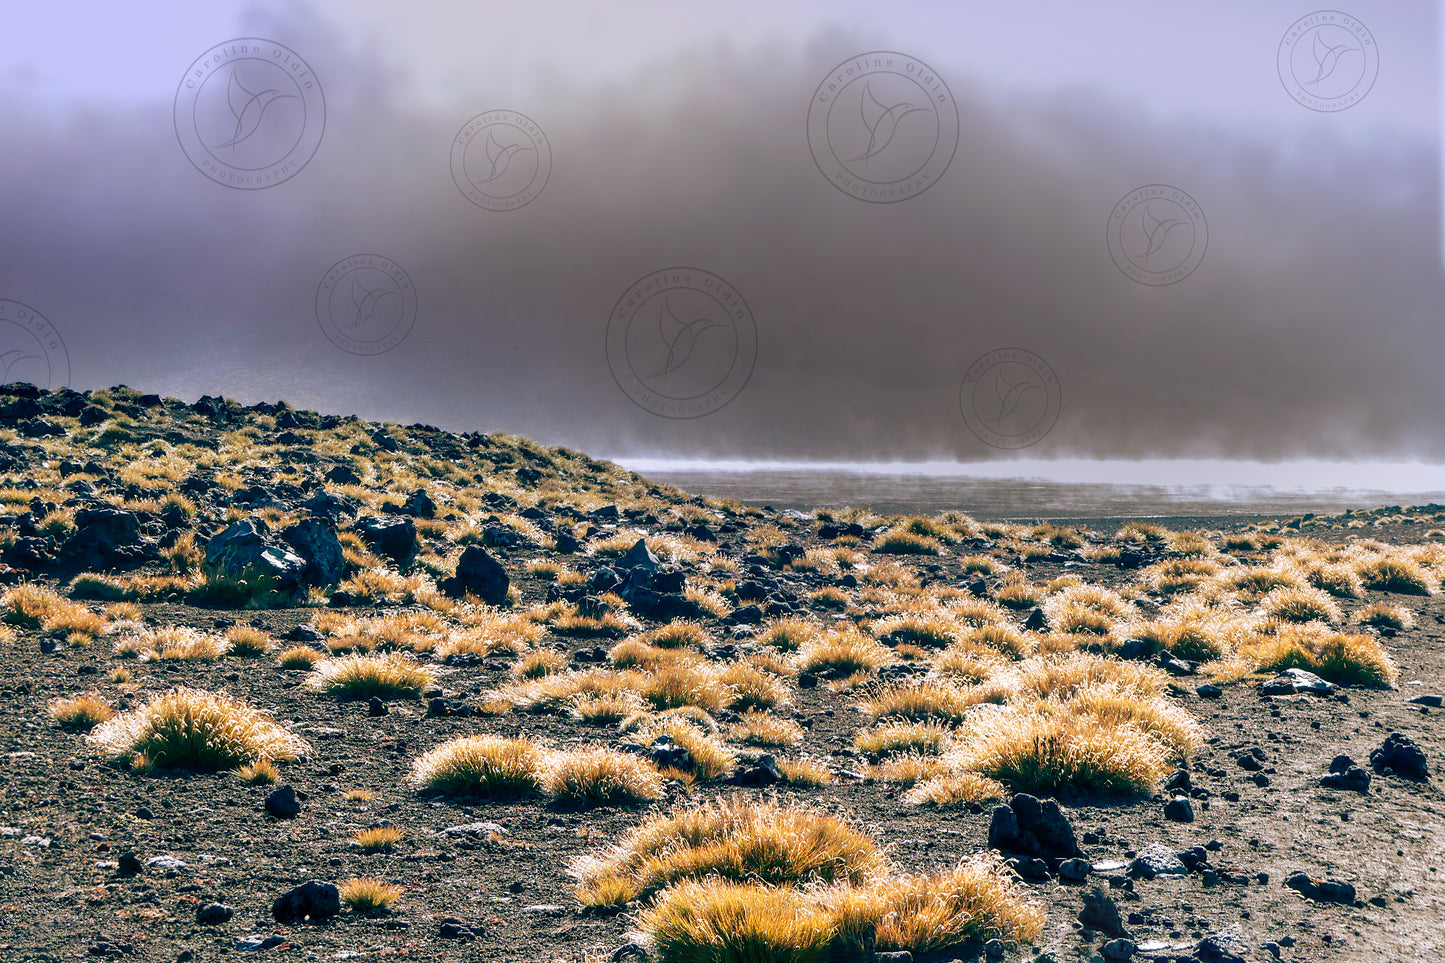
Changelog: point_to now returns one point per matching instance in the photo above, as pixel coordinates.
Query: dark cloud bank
(1312, 328)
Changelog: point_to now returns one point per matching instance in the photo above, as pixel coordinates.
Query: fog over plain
(1312, 326)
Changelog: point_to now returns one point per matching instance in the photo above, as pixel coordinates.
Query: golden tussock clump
(922, 738)
(732, 839)
(723, 920)
(845, 651)
(764, 729)
(924, 701)
(365, 895)
(299, 657)
(955, 789)
(377, 838)
(82, 712)
(360, 676)
(489, 766)
(1399, 575)
(600, 776)
(1300, 604)
(1385, 615)
(1334, 656)
(193, 729)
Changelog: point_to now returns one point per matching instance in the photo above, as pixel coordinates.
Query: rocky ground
(98, 861)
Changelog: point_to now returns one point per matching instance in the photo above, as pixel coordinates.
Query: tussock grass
(1400, 575)
(34, 606)
(299, 657)
(1383, 614)
(923, 701)
(732, 839)
(722, 920)
(925, 629)
(907, 543)
(366, 895)
(82, 713)
(678, 684)
(1251, 583)
(921, 738)
(258, 773)
(194, 729)
(542, 662)
(248, 641)
(488, 766)
(764, 729)
(357, 676)
(805, 773)
(1041, 748)
(845, 651)
(709, 757)
(378, 838)
(967, 662)
(955, 789)
(1018, 596)
(1340, 581)
(1343, 659)
(1062, 675)
(750, 688)
(178, 643)
(602, 777)
(1299, 605)
(790, 635)
(676, 635)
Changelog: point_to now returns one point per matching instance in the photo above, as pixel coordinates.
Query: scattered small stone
(896, 956)
(282, 803)
(313, 900)
(456, 930)
(1209, 691)
(256, 941)
(1032, 827)
(110, 948)
(1074, 870)
(1433, 701)
(1399, 755)
(1120, 949)
(481, 830)
(1320, 890)
(1156, 860)
(376, 707)
(128, 865)
(1100, 912)
(1179, 810)
(1226, 946)
(994, 949)
(168, 864)
(214, 914)
(1295, 681)
(629, 951)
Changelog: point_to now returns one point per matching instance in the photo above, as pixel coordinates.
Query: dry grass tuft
(1385, 615)
(258, 773)
(357, 676)
(843, 652)
(378, 838)
(363, 895)
(767, 730)
(193, 729)
(1400, 575)
(1300, 605)
(921, 738)
(734, 839)
(248, 641)
(955, 789)
(489, 766)
(299, 657)
(602, 777)
(82, 712)
(1342, 659)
